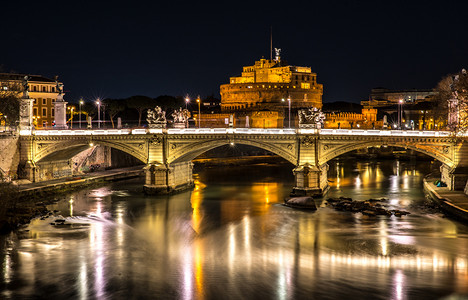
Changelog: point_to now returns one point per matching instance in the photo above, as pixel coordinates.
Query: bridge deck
(266, 131)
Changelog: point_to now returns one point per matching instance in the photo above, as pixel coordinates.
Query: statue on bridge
(59, 88)
(181, 117)
(26, 86)
(311, 118)
(156, 118)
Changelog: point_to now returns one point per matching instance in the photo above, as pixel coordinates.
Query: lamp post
(187, 100)
(289, 106)
(199, 112)
(71, 121)
(99, 112)
(103, 115)
(400, 113)
(81, 103)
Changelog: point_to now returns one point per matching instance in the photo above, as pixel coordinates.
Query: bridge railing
(383, 132)
(292, 131)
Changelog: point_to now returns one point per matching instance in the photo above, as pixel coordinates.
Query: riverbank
(52, 186)
(29, 200)
(453, 203)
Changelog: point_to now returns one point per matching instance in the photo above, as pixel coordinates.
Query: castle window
(44, 101)
(44, 89)
(53, 89)
(44, 112)
(34, 88)
(53, 112)
(35, 111)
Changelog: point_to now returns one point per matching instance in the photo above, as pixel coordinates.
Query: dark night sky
(118, 50)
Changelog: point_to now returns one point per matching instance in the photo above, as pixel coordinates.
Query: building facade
(42, 90)
(268, 94)
(384, 97)
(405, 109)
(269, 84)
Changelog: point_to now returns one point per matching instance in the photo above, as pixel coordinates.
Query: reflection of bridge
(168, 152)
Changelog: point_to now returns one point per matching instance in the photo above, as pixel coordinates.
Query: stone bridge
(168, 153)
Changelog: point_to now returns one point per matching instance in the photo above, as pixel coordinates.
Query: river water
(230, 238)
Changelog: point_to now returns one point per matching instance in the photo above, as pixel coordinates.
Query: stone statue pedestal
(26, 114)
(60, 107)
(179, 125)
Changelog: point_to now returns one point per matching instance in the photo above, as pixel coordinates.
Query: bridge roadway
(168, 153)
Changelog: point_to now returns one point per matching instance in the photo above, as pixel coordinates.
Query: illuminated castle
(267, 83)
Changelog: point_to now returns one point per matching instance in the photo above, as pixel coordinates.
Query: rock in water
(301, 202)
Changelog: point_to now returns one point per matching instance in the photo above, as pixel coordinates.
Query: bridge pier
(30, 171)
(455, 178)
(166, 179)
(310, 180)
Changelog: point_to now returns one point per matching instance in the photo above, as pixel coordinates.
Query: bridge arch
(70, 148)
(189, 152)
(441, 153)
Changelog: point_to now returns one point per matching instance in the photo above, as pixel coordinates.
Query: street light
(289, 106)
(103, 115)
(99, 112)
(71, 122)
(400, 105)
(199, 112)
(187, 100)
(81, 103)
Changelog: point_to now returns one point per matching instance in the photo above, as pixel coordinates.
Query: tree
(451, 101)
(141, 104)
(113, 107)
(10, 91)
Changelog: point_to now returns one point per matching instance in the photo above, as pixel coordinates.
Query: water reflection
(230, 237)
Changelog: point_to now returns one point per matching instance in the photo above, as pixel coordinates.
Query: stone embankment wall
(9, 155)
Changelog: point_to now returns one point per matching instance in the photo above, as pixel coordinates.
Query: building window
(44, 101)
(35, 100)
(53, 89)
(53, 112)
(34, 88)
(35, 111)
(44, 89)
(44, 112)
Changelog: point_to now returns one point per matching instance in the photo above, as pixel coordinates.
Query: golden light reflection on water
(196, 199)
(265, 192)
(252, 240)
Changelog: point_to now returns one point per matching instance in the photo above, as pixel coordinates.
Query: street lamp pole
(99, 112)
(400, 104)
(103, 116)
(289, 106)
(71, 121)
(81, 103)
(187, 100)
(199, 112)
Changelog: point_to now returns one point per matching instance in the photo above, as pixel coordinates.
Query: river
(231, 238)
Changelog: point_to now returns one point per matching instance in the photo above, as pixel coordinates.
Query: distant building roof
(16, 76)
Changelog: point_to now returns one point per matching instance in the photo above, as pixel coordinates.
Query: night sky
(136, 48)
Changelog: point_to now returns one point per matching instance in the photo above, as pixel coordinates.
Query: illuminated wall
(43, 91)
(268, 82)
(346, 120)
